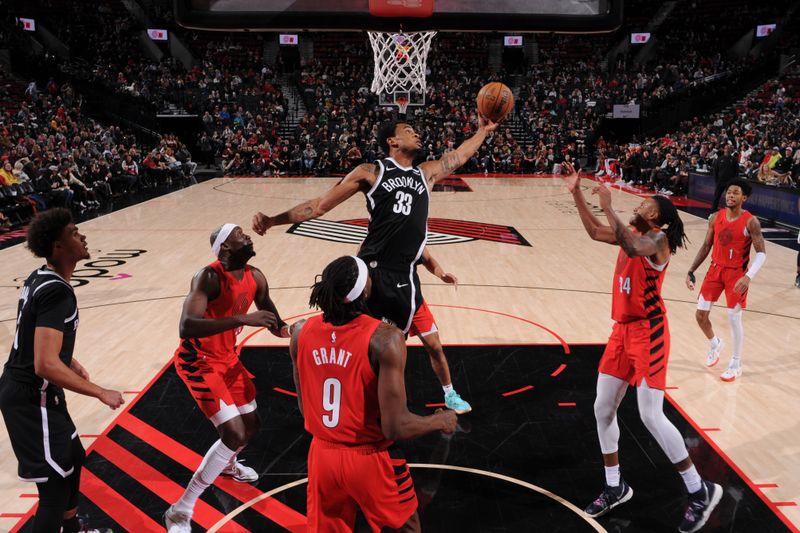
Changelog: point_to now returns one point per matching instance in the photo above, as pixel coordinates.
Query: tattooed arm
(360, 178)
(655, 246)
(441, 168)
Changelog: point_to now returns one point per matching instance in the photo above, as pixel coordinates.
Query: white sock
(692, 479)
(737, 334)
(714, 342)
(612, 476)
(447, 388)
(216, 459)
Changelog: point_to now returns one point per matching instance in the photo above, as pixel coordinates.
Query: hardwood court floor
(558, 287)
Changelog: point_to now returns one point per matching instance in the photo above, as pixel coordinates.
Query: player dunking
(349, 374)
(731, 232)
(637, 352)
(38, 370)
(214, 312)
(397, 201)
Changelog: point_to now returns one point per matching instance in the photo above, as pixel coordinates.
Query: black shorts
(395, 296)
(40, 429)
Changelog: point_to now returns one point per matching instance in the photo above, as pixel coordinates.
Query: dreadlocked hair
(330, 289)
(668, 215)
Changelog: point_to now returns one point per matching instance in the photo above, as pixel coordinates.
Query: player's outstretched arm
(47, 365)
(633, 244)
(596, 229)
(388, 347)
(436, 269)
(293, 353)
(205, 287)
(360, 178)
(264, 303)
(702, 253)
(754, 229)
(451, 161)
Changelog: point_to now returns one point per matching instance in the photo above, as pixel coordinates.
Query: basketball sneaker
(733, 371)
(453, 401)
(177, 522)
(609, 498)
(713, 354)
(701, 503)
(238, 472)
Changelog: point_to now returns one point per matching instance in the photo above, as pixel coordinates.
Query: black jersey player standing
(397, 194)
(41, 366)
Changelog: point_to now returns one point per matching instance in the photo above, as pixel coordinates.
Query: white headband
(361, 281)
(222, 236)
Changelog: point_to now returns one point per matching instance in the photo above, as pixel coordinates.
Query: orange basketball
(495, 101)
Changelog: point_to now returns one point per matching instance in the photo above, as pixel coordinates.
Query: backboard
(412, 15)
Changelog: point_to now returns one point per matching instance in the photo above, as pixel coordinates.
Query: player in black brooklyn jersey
(41, 366)
(397, 194)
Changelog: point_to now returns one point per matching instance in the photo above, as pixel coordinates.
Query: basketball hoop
(400, 61)
(402, 104)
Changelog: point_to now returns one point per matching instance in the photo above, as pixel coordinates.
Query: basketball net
(402, 104)
(400, 61)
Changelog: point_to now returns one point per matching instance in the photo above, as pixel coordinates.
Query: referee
(41, 366)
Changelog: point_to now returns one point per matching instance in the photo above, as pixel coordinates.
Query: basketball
(495, 100)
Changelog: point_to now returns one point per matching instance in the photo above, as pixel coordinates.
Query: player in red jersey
(637, 352)
(208, 363)
(731, 232)
(349, 374)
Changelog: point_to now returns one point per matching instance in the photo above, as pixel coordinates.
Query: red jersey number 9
(331, 401)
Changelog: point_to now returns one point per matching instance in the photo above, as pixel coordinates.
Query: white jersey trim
(49, 282)
(424, 180)
(375, 185)
(33, 479)
(71, 318)
(401, 167)
(411, 281)
(660, 268)
(46, 440)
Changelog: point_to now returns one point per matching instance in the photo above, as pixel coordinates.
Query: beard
(242, 255)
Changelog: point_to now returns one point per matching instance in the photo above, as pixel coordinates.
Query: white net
(400, 60)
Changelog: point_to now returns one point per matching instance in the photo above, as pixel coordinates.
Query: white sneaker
(732, 372)
(238, 472)
(177, 522)
(713, 354)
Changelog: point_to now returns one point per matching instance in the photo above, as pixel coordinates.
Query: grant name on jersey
(331, 356)
(403, 181)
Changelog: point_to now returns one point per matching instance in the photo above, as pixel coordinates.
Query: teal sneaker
(453, 401)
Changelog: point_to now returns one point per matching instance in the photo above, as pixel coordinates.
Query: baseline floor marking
(273, 510)
(591, 521)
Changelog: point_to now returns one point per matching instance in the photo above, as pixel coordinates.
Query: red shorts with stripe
(423, 322)
(222, 390)
(719, 279)
(638, 350)
(342, 479)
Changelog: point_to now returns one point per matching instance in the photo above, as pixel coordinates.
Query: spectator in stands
(725, 169)
(7, 176)
(782, 170)
(128, 178)
(309, 159)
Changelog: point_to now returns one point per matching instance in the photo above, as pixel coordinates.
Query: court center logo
(440, 231)
(99, 267)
